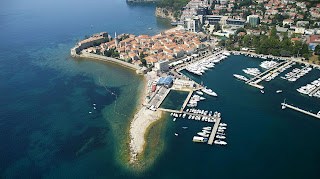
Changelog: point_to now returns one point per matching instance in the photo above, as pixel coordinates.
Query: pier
(298, 71)
(314, 91)
(214, 131)
(261, 74)
(186, 101)
(301, 110)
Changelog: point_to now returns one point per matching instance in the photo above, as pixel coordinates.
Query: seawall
(111, 60)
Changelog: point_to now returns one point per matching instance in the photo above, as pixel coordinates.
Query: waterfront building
(192, 25)
(162, 66)
(253, 20)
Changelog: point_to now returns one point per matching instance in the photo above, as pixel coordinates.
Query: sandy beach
(140, 123)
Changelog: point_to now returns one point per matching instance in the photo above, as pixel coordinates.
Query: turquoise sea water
(46, 96)
(46, 130)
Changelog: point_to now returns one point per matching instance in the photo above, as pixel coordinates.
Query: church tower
(116, 39)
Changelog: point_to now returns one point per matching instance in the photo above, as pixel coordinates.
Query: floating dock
(214, 131)
(300, 110)
(186, 101)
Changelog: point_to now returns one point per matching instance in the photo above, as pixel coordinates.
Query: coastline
(143, 119)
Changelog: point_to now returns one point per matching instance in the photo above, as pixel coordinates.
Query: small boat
(318, 114)
(203, 134)
(283, 106)
(220, 142)
(174, 119)
(223, 124)
(262, 91)
(199, 92)
(184, 127)
(220, 137)
(222, 128)
(199, 139)
(150, 28)
(94, 108)
(207, 128)
(90, 112)
(94, 104)
(205, 131)
(176, 134)
(279, 91)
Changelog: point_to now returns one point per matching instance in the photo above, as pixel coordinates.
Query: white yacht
(199, 92)
(240, 77)
(209, 92)
(279, 91)
(220, 137)
(220, 142)
(203, 134)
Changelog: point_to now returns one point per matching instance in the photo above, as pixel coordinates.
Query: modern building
(236, 22)
(253, 20)
(162, 66)
(192, 25)
(165, 81)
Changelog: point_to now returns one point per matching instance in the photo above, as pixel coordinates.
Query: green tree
(317, 50)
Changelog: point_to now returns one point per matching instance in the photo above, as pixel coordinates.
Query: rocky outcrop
(165, 13)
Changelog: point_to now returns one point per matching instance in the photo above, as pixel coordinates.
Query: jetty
(257, 79)
(300, 110)
(214, 131)
(314, 91)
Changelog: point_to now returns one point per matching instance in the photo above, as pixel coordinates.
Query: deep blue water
(47, 132)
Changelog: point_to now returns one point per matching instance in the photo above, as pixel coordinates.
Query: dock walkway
(314, 91)
(214, 131)
(265, 72)
(301, 110)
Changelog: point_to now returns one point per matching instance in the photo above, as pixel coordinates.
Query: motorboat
(209, 92)
(220, 137)
(176, 134)
(174, 119)
(283, 106)
(207, 128)
(203, 134)
(318, 114)
(220, 142)
(222, 128)
(199, 139)
(199, 92)
(262, 91)
(279, 91)
(206, 131)
(240, 77)
(223, 124)
(184, 127)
